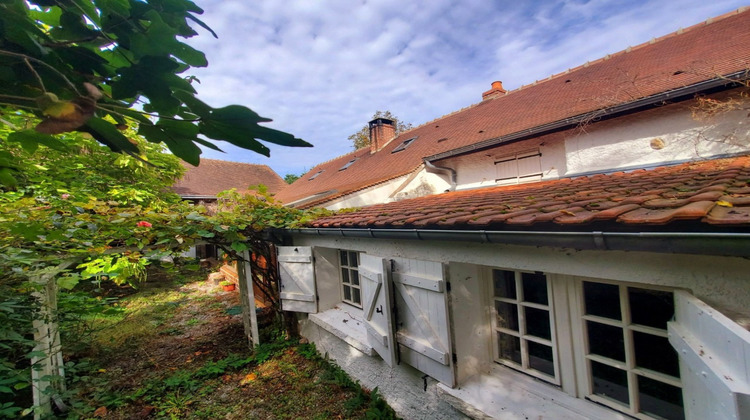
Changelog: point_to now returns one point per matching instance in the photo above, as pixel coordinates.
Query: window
(315, 176)
(609, 346)
(404, 145)
(348, 164)
(524, 337)
(521, 167)
(350, 286)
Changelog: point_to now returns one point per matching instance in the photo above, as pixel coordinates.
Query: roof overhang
(675, 95)
(701, 243)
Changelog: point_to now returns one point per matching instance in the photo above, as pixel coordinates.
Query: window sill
(345, 323)
(509, 394)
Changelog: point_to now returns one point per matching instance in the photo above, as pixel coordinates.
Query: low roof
(213, 176)
(711, 195)
(707, 51)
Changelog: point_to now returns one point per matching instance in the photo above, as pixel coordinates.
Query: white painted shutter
(377, 302)
(297, 279)
(714, 360)
(423, 321)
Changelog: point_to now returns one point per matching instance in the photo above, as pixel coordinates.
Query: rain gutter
(703, 243)
(431, 168)
(674, 94)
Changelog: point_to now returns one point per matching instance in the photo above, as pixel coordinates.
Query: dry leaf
(248, 378)
(569, 213)
(723, 203)
(100, 412)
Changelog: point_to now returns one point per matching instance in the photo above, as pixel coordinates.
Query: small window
(523, 324)
(350, 285)
(315, 176)
(348, 164)
(518, 168)
(404, 145)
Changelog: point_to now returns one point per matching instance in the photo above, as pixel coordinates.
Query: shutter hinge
(455, 358)
(448, 286)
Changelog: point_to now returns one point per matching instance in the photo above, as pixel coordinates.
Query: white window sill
(507, 394)
(346, 323)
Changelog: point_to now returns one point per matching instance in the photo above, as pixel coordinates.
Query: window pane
(505, 284)
(509, 347)
(347, 293)
(344, 275)
(606, 340)
(356, 298)
(660, 399)
(353, 259)
(507, 315)
(344, 259)
(655, 353)
(610, 382)
(651, 307)
(534, 288)
(602, 299)
(355, 277)
(540, 358)
(537, 323)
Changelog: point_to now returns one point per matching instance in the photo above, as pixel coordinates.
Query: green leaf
(107, 134)
(201, 24)
(31, 139)
(67, 282)
(7, 178)
(239, 246)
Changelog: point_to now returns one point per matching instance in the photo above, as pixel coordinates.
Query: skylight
(404, 145)
(348, 164)
(316, 175)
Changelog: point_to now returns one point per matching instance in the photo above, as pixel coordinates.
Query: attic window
(348, 164)
(404, 145)
(677, 72)
(316, 175)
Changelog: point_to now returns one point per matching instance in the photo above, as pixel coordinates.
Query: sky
(320, 69)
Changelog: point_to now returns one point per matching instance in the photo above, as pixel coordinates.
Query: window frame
(519, 178)
(351, 270)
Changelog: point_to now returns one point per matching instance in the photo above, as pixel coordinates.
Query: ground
(178, 351)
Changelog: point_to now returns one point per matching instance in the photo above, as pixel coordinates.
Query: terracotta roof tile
(702, 52)
(549, 202)
(213, 176)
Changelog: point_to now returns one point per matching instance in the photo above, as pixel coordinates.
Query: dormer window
(316, 175)
(348, 164)
(404, 145)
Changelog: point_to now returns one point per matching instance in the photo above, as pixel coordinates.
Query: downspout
(429, 167)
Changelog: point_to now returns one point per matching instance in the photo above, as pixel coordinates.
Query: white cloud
(320, 69)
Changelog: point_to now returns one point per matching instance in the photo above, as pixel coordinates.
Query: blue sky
(320, 69)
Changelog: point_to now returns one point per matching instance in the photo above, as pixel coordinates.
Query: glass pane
(347, 293)
(344, 275)
(509, 347)
(540, 358)
(505, 284)
(344, 259)
(355, 277)
(534, 288)
(606, 340)
(610, 382)
(537, 323)
(651, 307)
(356, 298)
(655, 353)
(507, 315)
(353, 259)
(660, 399)
(602, 299)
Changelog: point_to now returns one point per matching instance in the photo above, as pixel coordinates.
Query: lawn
(175, 349)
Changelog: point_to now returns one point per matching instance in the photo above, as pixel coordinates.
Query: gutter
(699, 243)
(599, 113)
(429, 167)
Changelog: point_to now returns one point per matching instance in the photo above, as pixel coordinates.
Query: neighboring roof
(709, 195)
(213, 176)
(681, 60)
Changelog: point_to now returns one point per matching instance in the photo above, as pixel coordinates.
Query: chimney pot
(495, 91)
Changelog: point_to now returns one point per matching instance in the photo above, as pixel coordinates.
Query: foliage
(98, 65)
(362, 137)
(290, 178)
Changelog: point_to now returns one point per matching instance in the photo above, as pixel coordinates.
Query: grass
(177, 350)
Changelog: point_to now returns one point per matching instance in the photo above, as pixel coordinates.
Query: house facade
(576, 248)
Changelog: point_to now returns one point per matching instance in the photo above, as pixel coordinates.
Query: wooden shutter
(423, 320)
(714, 360)
(297, 279)
(377, 302)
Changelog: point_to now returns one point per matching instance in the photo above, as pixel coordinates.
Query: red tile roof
(703, 52)
(711, 193)
(213, 176)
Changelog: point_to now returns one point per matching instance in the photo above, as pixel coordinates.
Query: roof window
(316, 175)
(348, 164)
(404, 145)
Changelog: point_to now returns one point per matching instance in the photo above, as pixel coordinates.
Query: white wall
(373, 195)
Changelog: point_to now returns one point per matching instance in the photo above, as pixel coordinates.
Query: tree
(97, 66)
(290, 178)
(362, 137)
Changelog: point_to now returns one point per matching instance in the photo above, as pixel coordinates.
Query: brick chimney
(382, 130)
(495, 91)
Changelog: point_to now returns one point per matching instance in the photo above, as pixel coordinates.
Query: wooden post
(47, 369)
(247, 300)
